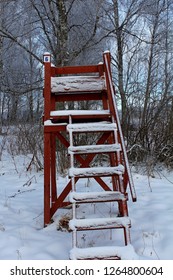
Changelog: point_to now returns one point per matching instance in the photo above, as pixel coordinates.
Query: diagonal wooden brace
(84, 163)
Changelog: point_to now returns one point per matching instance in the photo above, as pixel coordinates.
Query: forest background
(139, 34)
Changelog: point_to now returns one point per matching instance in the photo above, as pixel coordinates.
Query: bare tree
(123, 29)
(139, 35)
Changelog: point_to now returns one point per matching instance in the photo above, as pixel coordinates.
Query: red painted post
(47, 85)
(53, 169)
(47, 150)
(47, 155)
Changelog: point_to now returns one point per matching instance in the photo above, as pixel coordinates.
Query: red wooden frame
(52, 200)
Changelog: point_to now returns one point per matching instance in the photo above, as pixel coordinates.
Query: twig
(38, 215)
(149, 184)
(165, 177)
(31, 162)
(154, 249)
(28, 183)
(19, 192)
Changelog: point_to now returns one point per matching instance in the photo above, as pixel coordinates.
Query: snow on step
(60, 113)
(103, 196)
(50, 123)
(107, 252)
(77, 83)
(96, 171)
(98, 126)
(99, 223)
(94, 149)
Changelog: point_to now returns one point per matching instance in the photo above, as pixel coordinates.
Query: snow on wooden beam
(77, 83)
(106, 252)
(96, 171)
(99, 223)
(102, 196)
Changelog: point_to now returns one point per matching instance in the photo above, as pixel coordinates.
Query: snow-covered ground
(23, 237)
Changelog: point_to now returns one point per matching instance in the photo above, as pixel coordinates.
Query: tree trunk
(144, 118)
(1, 70)
(62, 34)
(119, 39)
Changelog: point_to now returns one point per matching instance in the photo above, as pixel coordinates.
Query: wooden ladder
(104, 124)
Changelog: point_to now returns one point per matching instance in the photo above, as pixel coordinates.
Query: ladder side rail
(74, 235)
(71, 154)
(71, 144)
(115, 114)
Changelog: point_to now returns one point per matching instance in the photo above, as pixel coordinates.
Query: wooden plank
(96, 171)
(54, 128)
(67, 96)
(100, 223)
(104, 253)
(79, 112)
(92, 127)
(90, 197)
(77, 84)
(88, 149)
(98, 115)
(77, 69)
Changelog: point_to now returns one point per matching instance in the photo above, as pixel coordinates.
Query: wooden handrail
(114, 111)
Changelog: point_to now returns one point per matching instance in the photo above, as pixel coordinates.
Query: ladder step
(106, 252)
(90, 197)
(81, 115)
(96, 171)
(87, 149)
(92, 127)
(99, 223)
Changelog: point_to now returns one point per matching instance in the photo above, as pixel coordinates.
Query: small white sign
(47, 58)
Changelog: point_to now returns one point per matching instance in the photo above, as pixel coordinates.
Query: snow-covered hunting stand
(76, 84)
